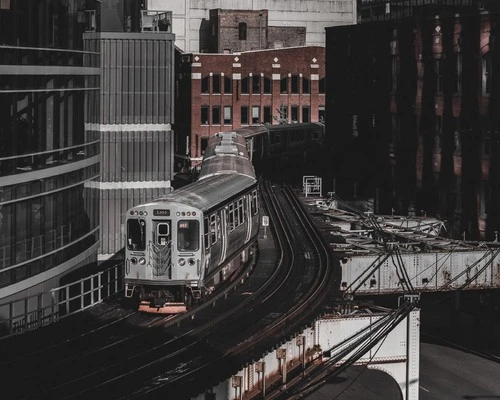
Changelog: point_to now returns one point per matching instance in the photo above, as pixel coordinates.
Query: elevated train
(181, 246)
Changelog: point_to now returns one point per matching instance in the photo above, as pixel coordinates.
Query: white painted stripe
(314, 65)
(48, 172)
(196, 64)
(195, 75)
(314, 77)
(128, 127)
(276, 65)
(236, 65)
(421, 387)
(128, 185)
(276, 77)
(237, 77)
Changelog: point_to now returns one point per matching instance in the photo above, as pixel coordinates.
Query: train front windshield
(188, 235)
(136, 236)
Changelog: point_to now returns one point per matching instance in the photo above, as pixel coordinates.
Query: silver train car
(182, 245)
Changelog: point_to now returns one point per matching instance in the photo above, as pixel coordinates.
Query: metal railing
(156, 21)
(33, 312)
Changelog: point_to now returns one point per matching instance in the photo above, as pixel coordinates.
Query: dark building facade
(413, 117)
(49, 151)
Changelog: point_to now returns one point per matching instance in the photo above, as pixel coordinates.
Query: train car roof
(226, 153)
(210, 192)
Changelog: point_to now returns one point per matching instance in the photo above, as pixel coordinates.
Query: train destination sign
(161, 212)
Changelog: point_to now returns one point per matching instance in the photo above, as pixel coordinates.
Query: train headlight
(182, 261)
(142, 261)
(133, 260)
(191, 261)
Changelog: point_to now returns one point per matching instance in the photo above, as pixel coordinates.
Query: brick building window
(215, 115)
(244, 85)
(284, 85)
(295, 84)
(486, 74)
(267, 85)
(204, 144)
(204, 85)
(306, 114)
(322, 84)
(242, 31)
(395, 74)
(321, 113)
(255, 114)
(438, 71)
(204, 115)
(306, 85)
(268, 118)
(256, 84)
(294, 113)
(244, 115)
(216, 84)
(227, 115)
(457, 79)
(228, 85)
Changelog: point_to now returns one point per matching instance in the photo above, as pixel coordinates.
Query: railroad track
(179, 356)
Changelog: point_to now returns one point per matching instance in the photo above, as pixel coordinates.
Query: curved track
(179, 356)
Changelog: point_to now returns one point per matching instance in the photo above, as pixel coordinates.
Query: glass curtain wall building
(49, 154)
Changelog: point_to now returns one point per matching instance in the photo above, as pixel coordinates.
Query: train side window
(241, 215)
(213, 228)
(231, 217)
(254, 203)
(206, 235)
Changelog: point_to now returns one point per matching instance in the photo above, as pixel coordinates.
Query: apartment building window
(457, 81)
(268, 118)
(255, 114)
(267, 85)
(295, 113)
(244, 115)
(456, 136)
(284, 85)
(204, 144)
(204, 85)
(242, 31)
(216, 84)
(295, 84)
(204, 115)
(306, 114)
(437, 135)
(227, 115)
(256, 84)
(244, 85)
(486, 74)
(395, 74)
(306, 85)
(438, 70)
(215, 115)
(322, 84)
(321, 113)
(228, 85)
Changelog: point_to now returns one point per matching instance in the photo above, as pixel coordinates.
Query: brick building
(414, 104)
(244, 30)
(220, 92)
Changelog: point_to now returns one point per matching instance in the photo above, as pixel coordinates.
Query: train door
(161, 249)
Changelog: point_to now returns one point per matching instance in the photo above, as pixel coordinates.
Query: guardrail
(33, 312)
